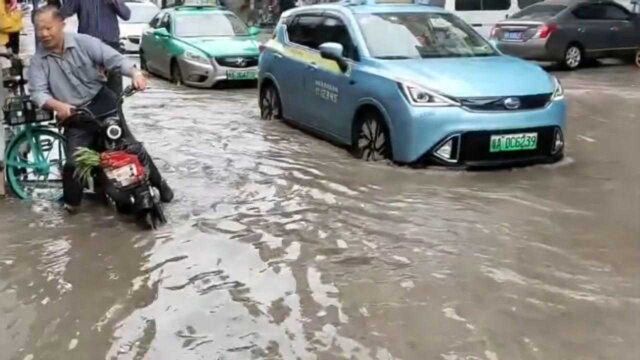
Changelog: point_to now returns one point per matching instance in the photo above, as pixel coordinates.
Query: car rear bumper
(205, 76)
(534, 49)
(419, 137)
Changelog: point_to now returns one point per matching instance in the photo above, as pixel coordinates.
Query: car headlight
(419, 96)
(199, 58)
(558, 91)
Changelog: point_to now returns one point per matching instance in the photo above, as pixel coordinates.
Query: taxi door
(332, 90)
(293, 66)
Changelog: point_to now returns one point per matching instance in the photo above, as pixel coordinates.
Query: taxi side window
(303, 30)
(155, 21)
(334, 30)
(166, 22)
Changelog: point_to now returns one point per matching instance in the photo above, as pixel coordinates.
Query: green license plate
(242, 75)
(513, 142)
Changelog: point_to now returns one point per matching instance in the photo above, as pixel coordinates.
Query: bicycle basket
(20, 110)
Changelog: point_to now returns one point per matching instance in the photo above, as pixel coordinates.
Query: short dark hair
(49, 9)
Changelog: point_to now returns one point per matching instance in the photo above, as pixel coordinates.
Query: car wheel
(637, 58)
(176, 74)
(573, 57)
(371, 140)
(143, 62)
(270, 105)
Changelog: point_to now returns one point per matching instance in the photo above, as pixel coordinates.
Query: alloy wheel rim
(270, 109)
(638, 58)
(573, 57)
(177, 75)
(372, 141)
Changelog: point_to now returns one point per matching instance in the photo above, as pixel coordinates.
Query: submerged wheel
(150, 220)
(176, 74)
(573, 57)
(371, 138)
(33, 165)
(270, 104)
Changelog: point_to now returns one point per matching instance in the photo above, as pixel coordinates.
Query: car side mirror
(161, 32)
(254, 31)
(334, 51)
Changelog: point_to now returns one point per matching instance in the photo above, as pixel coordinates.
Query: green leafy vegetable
(86, 160)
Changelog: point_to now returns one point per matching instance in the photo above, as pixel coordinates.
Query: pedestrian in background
(10, 25)
(99, 18)
(14, 36)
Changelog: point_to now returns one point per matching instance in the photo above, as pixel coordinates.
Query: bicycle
(36, 151)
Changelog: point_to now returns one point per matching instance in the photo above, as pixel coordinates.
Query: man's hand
(64, 112)
(139, 82)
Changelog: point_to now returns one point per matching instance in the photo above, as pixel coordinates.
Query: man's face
(50, 31)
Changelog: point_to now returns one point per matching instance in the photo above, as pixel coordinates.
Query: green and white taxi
(199, 45)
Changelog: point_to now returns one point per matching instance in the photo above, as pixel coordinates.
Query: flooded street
(282, 246)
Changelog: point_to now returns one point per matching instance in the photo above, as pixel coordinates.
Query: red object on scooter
(122, 167)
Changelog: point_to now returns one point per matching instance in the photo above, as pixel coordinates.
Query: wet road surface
(281, 245)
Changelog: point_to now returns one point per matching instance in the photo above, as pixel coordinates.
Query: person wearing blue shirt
(99, 18)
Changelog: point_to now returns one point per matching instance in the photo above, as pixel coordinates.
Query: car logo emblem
(240, 62)
(512, 103)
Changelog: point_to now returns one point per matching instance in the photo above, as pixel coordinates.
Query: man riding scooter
(65, 74)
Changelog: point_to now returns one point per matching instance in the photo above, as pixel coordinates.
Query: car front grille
(475, 145)
(238, 61)
(527, 102)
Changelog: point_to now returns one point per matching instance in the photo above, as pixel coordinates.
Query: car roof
(134, 4)
(197, 10)
(367, 7)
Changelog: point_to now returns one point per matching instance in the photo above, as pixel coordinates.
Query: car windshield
(421, 35)
(204, 25)
(141, 14)
(539, 11)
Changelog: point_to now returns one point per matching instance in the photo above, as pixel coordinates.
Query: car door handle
(313, 66)
(278, 55)
(614, 28)
(476, 25)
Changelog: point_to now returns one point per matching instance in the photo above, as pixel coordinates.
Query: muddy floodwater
(282, 246)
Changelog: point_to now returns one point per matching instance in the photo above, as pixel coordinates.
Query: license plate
(242, 75)
(125, 175)
(513, 142)
(511, 35)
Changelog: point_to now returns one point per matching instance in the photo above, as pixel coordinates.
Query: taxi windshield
(421, 35)
(205, 25)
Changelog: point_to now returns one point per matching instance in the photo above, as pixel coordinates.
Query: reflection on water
(282, 246)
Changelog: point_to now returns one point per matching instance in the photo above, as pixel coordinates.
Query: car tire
(270, 104)
(371, 140)
(176, 74)
(636, 59)
(143, 62)
(573, 57)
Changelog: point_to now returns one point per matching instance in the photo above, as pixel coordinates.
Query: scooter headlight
(114, 132)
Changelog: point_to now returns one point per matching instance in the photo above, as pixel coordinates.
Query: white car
(131, 30)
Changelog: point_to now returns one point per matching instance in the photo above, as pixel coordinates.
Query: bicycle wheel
(34, 162)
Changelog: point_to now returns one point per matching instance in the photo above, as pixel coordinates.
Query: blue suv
(411, 83)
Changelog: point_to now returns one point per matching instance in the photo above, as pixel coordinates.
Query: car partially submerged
(570, 32)
(411, 83)
(200, 46)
